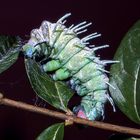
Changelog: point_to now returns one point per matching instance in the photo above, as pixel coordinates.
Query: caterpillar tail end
(79, 111)
(93, 114)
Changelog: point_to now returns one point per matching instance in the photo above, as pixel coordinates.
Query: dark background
(111, 18)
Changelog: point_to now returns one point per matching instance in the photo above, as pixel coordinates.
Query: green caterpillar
(72, 59)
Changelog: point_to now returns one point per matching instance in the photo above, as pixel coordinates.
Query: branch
(101, 125)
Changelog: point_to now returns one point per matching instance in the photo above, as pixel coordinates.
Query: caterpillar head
(28, 50)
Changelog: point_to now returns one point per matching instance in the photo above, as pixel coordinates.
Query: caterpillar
(72, 59)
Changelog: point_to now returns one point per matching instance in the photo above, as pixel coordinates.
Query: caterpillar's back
(72, 59)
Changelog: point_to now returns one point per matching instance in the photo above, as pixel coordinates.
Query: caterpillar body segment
(69, 58)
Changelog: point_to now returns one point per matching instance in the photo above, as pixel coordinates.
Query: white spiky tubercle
(72, 59)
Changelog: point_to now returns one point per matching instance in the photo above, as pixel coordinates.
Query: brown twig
(101, 125)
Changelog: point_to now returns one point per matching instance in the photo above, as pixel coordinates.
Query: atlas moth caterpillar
(72, 59)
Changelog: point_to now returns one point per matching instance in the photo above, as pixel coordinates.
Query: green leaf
(54, 132)
(126, 75)
(55, 93)
(9, 51)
